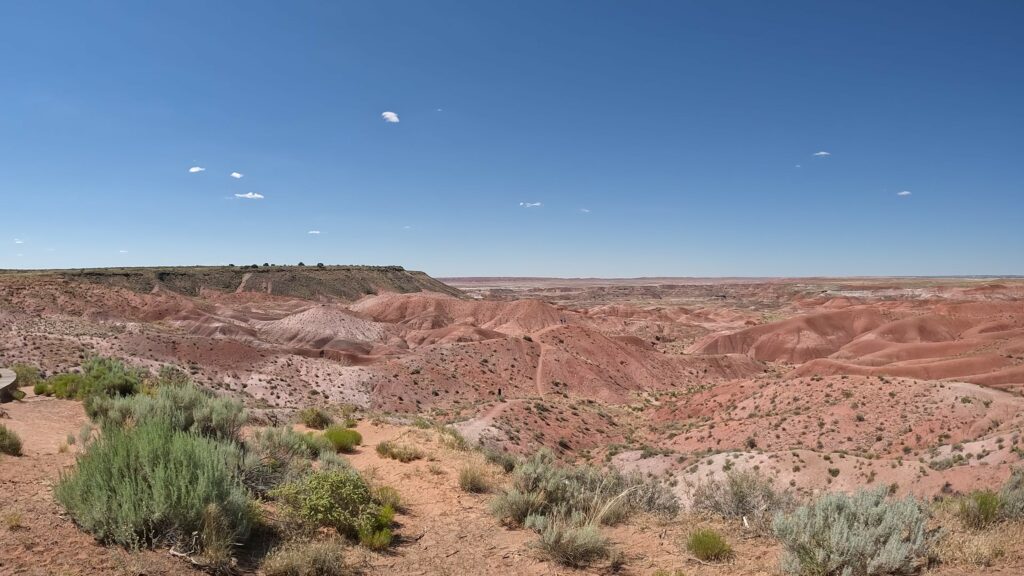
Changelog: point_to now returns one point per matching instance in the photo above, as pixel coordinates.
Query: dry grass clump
(567, 505)
(475, 478)
(10, 442)
(741, 495)
(317, 558)
(398, 451)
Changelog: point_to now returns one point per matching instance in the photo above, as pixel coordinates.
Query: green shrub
(708, 545)
(40, 388)
(151, 484)
(321, 558)
(10, 443)
(858, 535)
(979, 509)
(376, 535)
(100, 377)
(343, 439)
(568, 542)
(741, 494)
(401, 452)
(338, 499)
(64, 385)
(315, 418)
(186, 408)
(473, 478)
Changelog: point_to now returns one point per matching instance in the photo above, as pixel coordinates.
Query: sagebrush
(863, 534)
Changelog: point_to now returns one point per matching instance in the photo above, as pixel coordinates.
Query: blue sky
(660, 138)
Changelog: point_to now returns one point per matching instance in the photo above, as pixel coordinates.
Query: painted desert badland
(815, 385)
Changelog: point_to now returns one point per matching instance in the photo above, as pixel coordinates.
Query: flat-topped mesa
(313, 282)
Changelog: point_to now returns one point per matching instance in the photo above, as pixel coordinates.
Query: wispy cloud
(797, 166)
(407, 227)
(196, 169)
(585, 210)
(530, 204)
(389, 117)
(19, 241)
(250, 196)
(904, 193)
(122, 251)
(313, 232)
(236, 175)
(822, 154)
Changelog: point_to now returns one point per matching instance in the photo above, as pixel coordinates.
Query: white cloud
(19, 241)
(236, 175)
(440, 109)
(196, 169)
(822, 154)
(530, 204)
(797, 165)
(585, 210)
(406, 227)
(250, 196)
(389, 117)
(122, 251)
(904, 193)
(314, 232)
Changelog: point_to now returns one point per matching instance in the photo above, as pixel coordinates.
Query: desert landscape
(809, 385)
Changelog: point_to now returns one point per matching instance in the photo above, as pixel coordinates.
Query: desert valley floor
(822, 384)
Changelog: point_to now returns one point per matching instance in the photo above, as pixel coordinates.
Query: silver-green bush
(860, 535)
(184, 407)
(1012, 496)
(151, 483)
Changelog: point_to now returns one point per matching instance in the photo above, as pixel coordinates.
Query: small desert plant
(500, 458)
(452, 438)
(708, 545)
(12, 520)
(569, 542)
(376, 534)
(343, 439)
(473, 478)
(979, 509)
(10, 443)
(319, 558)
(859, 535)
(40, 388)
(151, 483)
(388, 496)
(315, 418)
(741, 495)
(400, 452)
